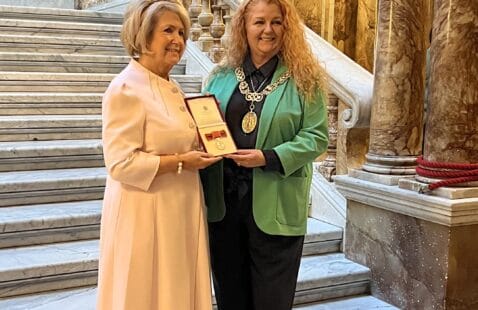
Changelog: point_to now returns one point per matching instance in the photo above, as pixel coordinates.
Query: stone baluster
(227, 21)
(194, 11)
(205, 19)
(217, 30)
(328, 166)
(397, 110)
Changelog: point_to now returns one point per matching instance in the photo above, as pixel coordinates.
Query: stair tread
(63, 76)
(53, 117)
(24, 181)
(68, 57)
(52, 215)
(55, 39)
(19, 149)
(47, 96)
(53, 24)
(50, 259)
(85, 299)
(349, 303)
(47, 260)
(62, 57)
(329, 269)
(36, 12)
(29, 95)
(320, 231)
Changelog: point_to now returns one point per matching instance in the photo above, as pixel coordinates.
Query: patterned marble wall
(415, 264)
(366, 25)
(310, 11)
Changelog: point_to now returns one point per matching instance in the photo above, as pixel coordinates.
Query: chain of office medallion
(257, 96)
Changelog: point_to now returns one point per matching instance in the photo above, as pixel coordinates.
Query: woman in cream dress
(153, 246)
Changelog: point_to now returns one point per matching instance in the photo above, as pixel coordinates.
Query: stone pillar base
(445, 192)
(421, 249)
(377, 178)
(390, 165)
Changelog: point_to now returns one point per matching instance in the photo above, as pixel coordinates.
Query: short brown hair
(140, 20)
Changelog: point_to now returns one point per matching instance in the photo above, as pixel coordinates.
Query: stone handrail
(351, 83)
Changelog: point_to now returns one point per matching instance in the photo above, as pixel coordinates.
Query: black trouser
(251, 269)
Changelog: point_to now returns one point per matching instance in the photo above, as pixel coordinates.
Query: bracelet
(180, 164)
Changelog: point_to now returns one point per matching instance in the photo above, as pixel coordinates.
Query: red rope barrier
(453, 173)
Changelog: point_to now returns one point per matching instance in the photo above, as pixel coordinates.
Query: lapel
(228, 87)
(270, 106)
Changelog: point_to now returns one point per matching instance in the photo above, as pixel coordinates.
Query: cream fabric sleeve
(123, 136)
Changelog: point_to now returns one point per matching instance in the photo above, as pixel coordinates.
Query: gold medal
(219, 144)
(249, 122)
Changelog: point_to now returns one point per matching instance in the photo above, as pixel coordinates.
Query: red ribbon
(216, 134)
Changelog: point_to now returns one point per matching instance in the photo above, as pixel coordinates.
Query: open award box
(215, 135)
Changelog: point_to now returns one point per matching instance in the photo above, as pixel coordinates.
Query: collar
(266, 69)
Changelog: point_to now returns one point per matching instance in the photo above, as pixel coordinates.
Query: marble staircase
(54, 66)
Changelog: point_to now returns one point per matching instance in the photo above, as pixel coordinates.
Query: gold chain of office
(249, 120)
(257, 96)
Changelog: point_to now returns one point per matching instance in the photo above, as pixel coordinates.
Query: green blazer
(297, 132)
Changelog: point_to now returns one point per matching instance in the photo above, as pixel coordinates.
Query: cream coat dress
(153, 245)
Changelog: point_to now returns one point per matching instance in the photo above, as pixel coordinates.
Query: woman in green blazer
(271, 90)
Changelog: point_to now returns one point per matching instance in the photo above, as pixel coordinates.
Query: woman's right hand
(194, 160)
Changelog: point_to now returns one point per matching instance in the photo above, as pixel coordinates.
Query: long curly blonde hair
(295, 52)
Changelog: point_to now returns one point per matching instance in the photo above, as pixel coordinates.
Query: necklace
(249, 120)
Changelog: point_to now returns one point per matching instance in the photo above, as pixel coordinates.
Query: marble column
(451, 132)
(397, 109)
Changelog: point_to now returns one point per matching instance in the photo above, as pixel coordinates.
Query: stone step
(330, 276)
(58, 28)
(76, 82)
(85, 299)
(36, 13)
(60, 45)
(321, 238)
(50, 154)
(32, 103)
(37, 103)
(48, 267)
(349, 303)
(49, 223)
(59, 222)
(69, 63)
(42, 268)
(48, 186)
(49, 127)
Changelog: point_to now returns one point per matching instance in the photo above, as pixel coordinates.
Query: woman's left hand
(248, 158)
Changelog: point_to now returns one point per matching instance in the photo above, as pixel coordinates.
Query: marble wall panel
(311, 13)
(365, 38)
(451, 133)
(415, 264)
(462, 284)
(345, 26)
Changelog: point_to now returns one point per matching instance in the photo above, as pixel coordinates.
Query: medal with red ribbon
(216, 136)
